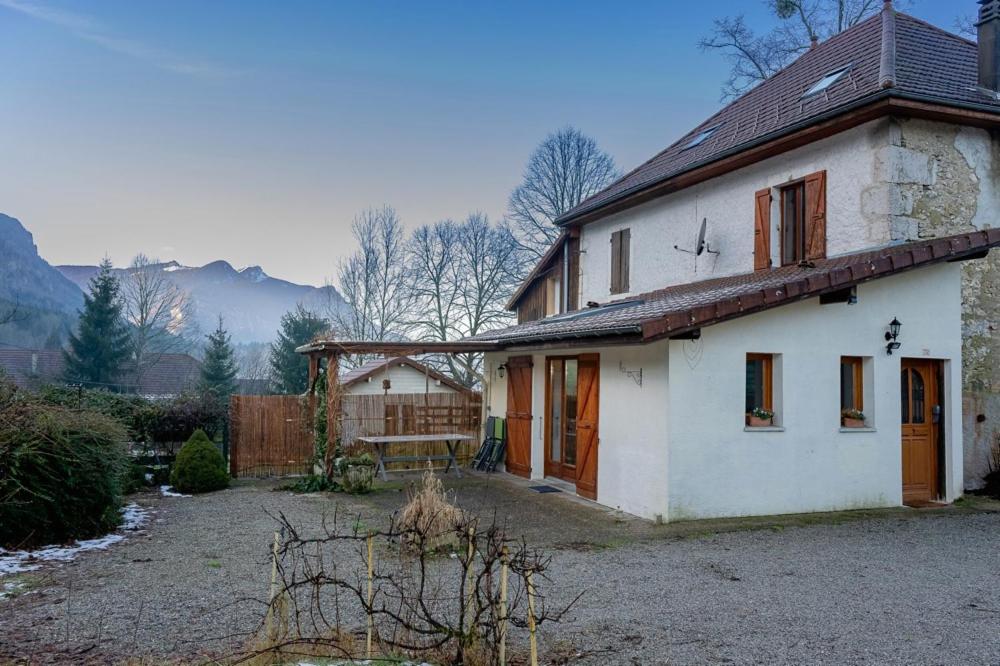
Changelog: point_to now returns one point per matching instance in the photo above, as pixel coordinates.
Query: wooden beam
(332, 412)
(313, 372)
(328, 347)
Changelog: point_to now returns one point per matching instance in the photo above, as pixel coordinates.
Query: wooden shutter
(573, 274)
(626, 256)
(588, 397)
(616, 257)
(815, 222)
(762, 230)
(518, 455)
(620, 255)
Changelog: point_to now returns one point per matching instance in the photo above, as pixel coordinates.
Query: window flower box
(852, 418)
(760, 418)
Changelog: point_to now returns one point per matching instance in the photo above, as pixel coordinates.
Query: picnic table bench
(382, 442)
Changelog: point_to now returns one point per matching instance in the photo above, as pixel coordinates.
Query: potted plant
(852, 418)
(357, 473)
(760, 418)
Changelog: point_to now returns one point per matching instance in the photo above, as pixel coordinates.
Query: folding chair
(486, 448)
(499, 444)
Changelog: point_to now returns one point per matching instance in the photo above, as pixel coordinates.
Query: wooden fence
(414, 414)
(269, 436)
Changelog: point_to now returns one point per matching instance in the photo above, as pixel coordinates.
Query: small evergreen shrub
(199, 467)
(62, 472)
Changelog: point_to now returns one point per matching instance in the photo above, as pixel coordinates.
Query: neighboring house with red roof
(772, 314)
(169, 375)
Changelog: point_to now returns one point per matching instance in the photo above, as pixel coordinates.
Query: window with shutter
(762, 230)
(803, 219)
(620, 241)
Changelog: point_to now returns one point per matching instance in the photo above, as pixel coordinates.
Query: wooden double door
(922, 411)
(572, 393)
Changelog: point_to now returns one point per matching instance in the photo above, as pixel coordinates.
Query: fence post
(272, 590)
(531, 620)
(502, 654)
(368, 643)
(470, 592)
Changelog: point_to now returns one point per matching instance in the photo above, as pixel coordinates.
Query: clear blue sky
(253, 131)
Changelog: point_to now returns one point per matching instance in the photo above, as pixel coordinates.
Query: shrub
(178, 419)
(429, 520)
(61, 472)
(126, 409)
(199, 467)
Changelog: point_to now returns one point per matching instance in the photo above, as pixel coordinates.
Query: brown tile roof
(683, 308)
(378, 365)
(170, 375)
(890, 54)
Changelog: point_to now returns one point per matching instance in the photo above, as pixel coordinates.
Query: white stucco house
(808, 356)
(395, 375)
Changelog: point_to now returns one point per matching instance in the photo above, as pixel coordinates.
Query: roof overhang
(331, 347)
(541, 268)
(885, 103)
(755, 292)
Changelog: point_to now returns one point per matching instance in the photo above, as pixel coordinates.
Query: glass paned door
(562, 406)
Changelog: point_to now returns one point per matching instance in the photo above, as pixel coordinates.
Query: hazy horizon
(254, 133)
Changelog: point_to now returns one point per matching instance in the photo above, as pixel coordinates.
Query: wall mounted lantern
(891, 335)
(501, 370)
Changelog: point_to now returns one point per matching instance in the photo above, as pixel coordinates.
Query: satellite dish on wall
(700, 244)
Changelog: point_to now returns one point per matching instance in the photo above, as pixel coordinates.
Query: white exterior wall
(718, 468)
(632, 428)
(857, 216)
(404, 380)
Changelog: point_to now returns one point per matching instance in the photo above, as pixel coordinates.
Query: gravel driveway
(885, 587)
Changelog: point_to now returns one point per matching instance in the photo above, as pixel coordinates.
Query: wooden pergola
(332, 350)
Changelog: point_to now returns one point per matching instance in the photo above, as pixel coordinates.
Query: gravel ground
(882, 587)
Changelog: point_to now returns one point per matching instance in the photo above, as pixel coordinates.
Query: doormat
(544, 489)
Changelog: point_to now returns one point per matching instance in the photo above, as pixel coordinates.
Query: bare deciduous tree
(464, 273)
(158, 313)
(754, 57)
(375, 281)
(566, 168)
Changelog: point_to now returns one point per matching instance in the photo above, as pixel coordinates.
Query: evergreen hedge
(62, 472)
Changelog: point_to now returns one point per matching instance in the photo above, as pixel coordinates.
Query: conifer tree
(218, 370)
(289, 369)
(100, 345)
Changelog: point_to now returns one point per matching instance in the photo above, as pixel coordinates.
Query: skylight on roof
(827, 81)
(701, 137)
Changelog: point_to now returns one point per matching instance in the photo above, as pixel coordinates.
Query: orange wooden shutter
(587, 410)
(762, 230)
(816, 215)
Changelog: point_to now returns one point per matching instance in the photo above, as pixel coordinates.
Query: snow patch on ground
(10, 589)
(168, 491)
(16, 561)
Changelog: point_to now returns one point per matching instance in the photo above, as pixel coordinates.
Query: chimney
(988, 28)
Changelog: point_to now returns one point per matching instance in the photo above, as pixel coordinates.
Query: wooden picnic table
(382, 442)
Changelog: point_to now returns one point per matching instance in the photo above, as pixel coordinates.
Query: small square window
(760, 389)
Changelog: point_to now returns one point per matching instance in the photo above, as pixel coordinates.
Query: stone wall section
(944, 179)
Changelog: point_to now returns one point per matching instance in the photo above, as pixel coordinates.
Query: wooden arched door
(921, 413)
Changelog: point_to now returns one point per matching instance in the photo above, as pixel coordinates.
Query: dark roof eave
(861, 103)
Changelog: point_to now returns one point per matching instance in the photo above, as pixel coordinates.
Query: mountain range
(48, 298)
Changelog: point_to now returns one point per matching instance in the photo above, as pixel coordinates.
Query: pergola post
(332, 410)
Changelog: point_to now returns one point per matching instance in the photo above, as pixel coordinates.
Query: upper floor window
(802, 222)
(793, 223)
(620, 242)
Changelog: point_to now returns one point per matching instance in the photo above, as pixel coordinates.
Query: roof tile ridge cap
(887, 63)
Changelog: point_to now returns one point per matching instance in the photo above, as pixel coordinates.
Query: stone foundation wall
(944, 179)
